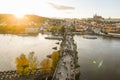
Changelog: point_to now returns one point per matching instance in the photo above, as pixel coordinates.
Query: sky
(62, 8)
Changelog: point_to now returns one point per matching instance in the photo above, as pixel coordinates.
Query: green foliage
(62, 30)
(73, 27)
(53, 29)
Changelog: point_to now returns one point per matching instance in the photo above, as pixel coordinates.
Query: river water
(99, 58)
(12, 46)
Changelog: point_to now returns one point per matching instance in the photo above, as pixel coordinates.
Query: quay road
(67, 68)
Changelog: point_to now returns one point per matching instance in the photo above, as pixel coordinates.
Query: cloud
(68, 12)
(61, 7)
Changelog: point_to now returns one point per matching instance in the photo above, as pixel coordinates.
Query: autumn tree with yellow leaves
(32, 62)
(25, 66)
(45, 65)
(49, 64)
(55, 58)
(22, 65)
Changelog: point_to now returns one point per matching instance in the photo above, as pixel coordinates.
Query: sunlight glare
(19, 15)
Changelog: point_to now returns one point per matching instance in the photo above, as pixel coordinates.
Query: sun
(19, 15)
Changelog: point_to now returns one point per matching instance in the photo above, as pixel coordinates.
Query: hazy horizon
(62, 8)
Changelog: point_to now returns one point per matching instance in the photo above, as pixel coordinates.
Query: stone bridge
(67, 68)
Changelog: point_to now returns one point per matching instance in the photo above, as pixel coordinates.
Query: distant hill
(10, 19)
(11, 24)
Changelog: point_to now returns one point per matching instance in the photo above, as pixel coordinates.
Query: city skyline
(62, 8)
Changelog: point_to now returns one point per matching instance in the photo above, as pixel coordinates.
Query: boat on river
(90, 37)
(57, 43)
(55, 48)
(54, 38)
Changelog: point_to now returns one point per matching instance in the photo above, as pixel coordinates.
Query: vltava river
(11, 46)
(99, 59)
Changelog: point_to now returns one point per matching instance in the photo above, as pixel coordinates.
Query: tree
(22, 65)
(53, 29)
(62, 30)
(45, 65)
(55, 58)
(73, 27)
(32, 62)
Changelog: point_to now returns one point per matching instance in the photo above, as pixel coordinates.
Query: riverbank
(111, 35)
(23, 34)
